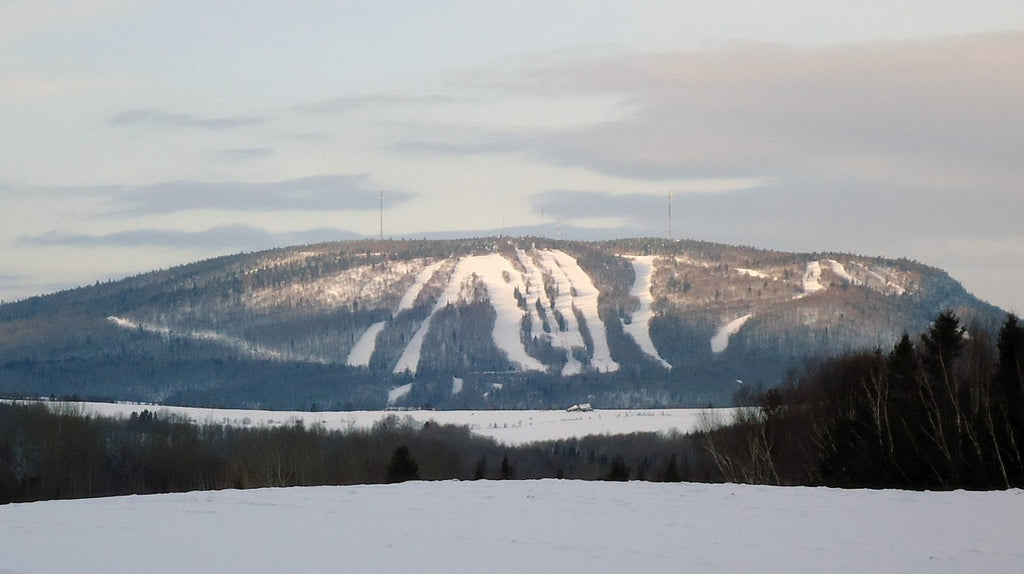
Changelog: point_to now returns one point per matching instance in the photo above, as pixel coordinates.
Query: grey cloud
(801, 215)
(937, 112)
(317, 193)
(232, 237)
(159, 119)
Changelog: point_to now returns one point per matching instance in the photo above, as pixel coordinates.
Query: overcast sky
(138, 135)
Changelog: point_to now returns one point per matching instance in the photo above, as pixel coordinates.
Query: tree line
(50, 453)
(945, 411)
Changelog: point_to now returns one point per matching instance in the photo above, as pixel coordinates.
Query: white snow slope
(720, 341)
(577, 292)
(362, 351)
(639, 327)
(520, 526)
(501, 279)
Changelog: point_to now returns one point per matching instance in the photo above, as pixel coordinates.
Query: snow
(752, 273)
(409, 298)
(720, 341)
(520, 526)
(511, 427)
(361, 352)
(840, 270)
(812, 279)
(501, 279)
(213, 337)
(456, 385)
(368, 284)
(585, 300)
(397, 393)
(639, 327)
(569, 338)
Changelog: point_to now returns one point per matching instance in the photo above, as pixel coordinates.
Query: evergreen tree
(403, 466)
(480, 472)
(507, 471)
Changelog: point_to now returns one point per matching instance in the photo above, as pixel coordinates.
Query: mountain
(473, 323)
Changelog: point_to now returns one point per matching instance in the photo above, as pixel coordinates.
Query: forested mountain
(481, 323)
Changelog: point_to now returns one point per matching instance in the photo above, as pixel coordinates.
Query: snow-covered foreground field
(508, 427)
(520, 526)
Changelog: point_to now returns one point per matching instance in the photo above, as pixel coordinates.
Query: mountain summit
(494, 322)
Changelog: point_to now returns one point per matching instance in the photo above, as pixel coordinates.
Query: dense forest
(945, 411)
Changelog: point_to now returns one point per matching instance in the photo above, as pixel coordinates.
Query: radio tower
(380, 200)
(670, 216)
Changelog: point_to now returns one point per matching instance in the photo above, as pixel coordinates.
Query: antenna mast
(380, 199)
(670, 216)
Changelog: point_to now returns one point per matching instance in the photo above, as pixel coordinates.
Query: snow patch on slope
(235, 343)
(361, 352)
(399, 393)
(639, 327)
(752, 273)
(840, 271)
(365, 283)
(720, 341)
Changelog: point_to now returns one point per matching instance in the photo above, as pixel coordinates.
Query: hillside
(482, 323)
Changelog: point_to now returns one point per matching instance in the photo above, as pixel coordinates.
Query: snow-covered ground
(508, 427)
(520, 526)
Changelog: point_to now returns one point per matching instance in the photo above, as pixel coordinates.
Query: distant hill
(473, 323)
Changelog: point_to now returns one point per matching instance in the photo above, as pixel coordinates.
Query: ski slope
(520, 526)
(639, 327)
(720, 341)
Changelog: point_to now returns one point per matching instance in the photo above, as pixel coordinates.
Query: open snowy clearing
(520, 526)
(507, 427)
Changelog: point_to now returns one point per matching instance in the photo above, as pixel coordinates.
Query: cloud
(233, 237)
(244, 154)
(316, 193)
(159, 119)
(347, 104)
(939, 113)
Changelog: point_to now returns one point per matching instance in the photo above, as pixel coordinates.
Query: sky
(142, 135)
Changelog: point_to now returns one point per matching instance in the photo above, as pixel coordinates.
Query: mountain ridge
(510, 322)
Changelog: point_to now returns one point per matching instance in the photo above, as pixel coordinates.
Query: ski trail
(811, 280)
(720, 341)
(565, 340)
(500, 279)
(639, 327)
(409, 298)
(361, 352)
(583, 296)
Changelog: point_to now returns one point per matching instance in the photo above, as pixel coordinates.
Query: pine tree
(403, 466)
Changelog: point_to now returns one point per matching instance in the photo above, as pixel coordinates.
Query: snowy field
(507, 427)
(520, 526)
